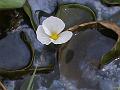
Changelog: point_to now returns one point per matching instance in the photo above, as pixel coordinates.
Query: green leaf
(28, 11)
(28, 84)
(10, 4)
(111, 2)
(114, 53)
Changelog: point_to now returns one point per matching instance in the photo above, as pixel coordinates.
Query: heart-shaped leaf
(75, 14)
(115, 51)
(11, 70)
(79, 15)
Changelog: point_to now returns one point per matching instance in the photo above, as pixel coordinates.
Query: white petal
(42, 36)
(64, 37)
(53, 25)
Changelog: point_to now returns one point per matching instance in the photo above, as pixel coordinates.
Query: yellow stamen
(54, 36)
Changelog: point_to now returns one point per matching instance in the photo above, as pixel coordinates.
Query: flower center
(54, 36)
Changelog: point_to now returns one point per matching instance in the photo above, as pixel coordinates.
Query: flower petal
(64, 37)
(53, 25)
(42, 36)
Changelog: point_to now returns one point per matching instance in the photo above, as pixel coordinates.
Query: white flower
(51, 31)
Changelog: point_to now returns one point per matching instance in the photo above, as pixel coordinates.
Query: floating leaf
(111, 2)
(13, 72)
(18, 58)
(75, 14)
(28, 11)
(82, 15)
(115, 51)
(10, 4)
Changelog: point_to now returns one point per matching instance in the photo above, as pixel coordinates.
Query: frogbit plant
(51, 30)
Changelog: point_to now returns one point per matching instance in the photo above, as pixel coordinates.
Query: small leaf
(28, 11)
(10, 4)
(75, 14)
(28, 84)
(111, 2)
(31, 80)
